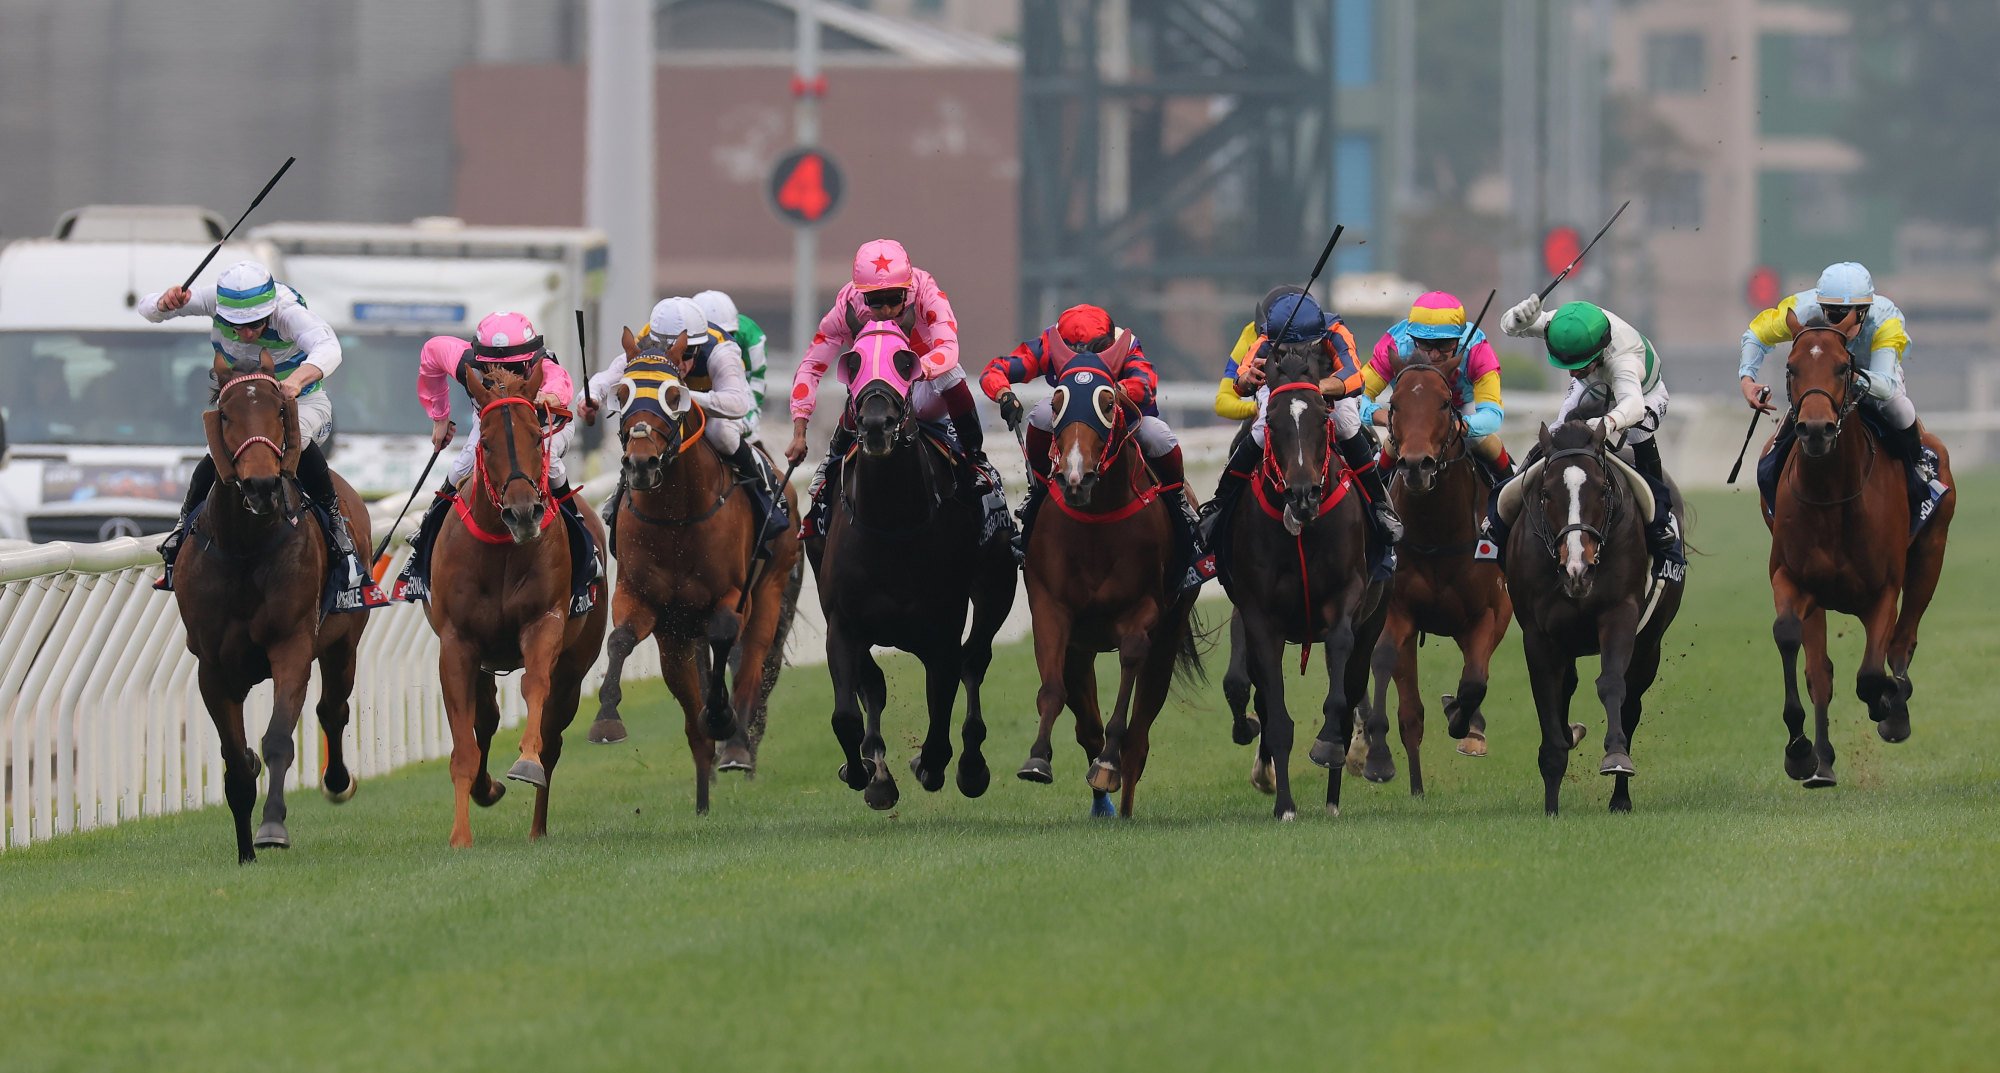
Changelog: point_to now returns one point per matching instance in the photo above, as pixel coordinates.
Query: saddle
(586, 570)
(1514, 492)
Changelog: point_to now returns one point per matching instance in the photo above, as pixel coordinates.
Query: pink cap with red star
(881, 264)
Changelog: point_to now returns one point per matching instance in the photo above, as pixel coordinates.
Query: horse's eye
(1059, 401)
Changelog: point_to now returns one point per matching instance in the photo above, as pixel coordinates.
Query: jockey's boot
(814, 522)
(978, 479)
(1236, 475)
(1172, 475)
(1361, 454)
(748, 461)
(1907, 444)
(1663, 530)
(1498, 470)
(170, 546)
(357, 589)
(414, 583)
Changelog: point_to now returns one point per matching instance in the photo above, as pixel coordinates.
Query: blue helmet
(1846, 284)
(1306, 319)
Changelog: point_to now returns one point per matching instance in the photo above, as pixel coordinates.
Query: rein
(1851, 399)
(1117, 438)
(1273, 471)
(485, 477)
(248, 378)
(1553, 542)
(689, 439)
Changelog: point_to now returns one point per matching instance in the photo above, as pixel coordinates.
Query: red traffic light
(1764, 288)
(1560, 247)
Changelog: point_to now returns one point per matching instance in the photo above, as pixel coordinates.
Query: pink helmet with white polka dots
(509, 337)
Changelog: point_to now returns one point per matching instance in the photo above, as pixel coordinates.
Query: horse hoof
(734, 757)
(1101, 807)
(1799, 760)
(1332, 811)
(1577, 732)
(721, 723)
(1472, 745)
(931, 781)
(1616, 764)
(1385, 771)
(494, 792)
(256, 763)
(974, 776)
(343, 795)
(881, 795)
(867, 775)
(1357, 759)
(1621, 804)
(272, 835)
(1245, 731)
(1103, 777)
(1454, 726)
(1895, 730)
(1287, 815)
(606, 732)
(1820, 780)
(1262, 779)
(526, 770)
(1036, 769)
(1325, 753)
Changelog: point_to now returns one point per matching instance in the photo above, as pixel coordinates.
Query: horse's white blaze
(1573, 549)
(1299, 420)
(1073, 465)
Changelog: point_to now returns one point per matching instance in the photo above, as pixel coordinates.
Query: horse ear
(1598, 434)
(1542, 437)
(295, 446)
(1851, 325)
(264, 363)
(222, 369)
(630, 343)
(218, 452)
(679, 350)
(1450, 366)
(1792, 321)
(478, 388)
(537, 376)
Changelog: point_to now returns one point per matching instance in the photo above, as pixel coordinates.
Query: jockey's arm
(200, 303)
(1626, 369)
(598, 387)
(1885, 353)
(1767, 330)
(313, 335)
(1231, 402)
(730, 396)
(1375, 376)
(827, 344)
(1023, 364)
(1137, 379)
(1487, 412)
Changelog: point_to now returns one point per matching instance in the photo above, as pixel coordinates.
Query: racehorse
(684, 562)
(1297, 572)
(1439, 588)
(501, 600)
(248, 588)
(900, 562)
(1102, 577)
(1577, 567)
(1840, 541)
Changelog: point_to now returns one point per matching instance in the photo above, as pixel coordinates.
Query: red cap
(1081, 324)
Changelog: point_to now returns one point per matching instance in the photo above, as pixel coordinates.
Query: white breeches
(724, 436)
(1154, 435)
(316, 417)
(1346, 415)
(461, 467)
(927, 396)
(1656, 410)
(1897, 410)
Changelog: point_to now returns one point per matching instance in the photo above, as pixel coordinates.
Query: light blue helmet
(1846, 284)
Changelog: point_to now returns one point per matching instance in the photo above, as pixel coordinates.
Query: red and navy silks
(1047, 356)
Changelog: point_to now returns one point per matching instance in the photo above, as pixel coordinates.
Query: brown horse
(1102, 577)
(1439, 588)
(1840, 541)
(249, 583)
(500, 601)
(685, 561)
(1577, 569)
(1297, 572)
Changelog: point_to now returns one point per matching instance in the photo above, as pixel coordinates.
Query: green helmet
(1577, 335)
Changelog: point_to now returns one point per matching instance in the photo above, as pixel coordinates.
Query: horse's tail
(788, 607)
(1685, 513)
(1194, 642)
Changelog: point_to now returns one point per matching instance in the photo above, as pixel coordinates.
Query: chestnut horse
(248, 584)
(1297, 571)
(1439, 588)
(684, 563)
(1840, 541)
(1577, 567)
(1102, 577)
(899, 565)
(500, 601)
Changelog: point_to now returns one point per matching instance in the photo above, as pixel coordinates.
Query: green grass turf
(1734, 921)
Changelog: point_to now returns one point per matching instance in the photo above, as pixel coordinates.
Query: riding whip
(757, 558)
(1318, 267)
(1763, 394)
(1564, 274)
(258, 200)
(382, 549)
(1465, 341)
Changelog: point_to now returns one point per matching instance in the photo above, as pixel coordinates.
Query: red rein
(493, 491)
(1273, 470)
(1113, 443)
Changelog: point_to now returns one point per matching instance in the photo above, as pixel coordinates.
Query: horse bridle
(1553, 542)
(1446, 455)
(515, 472)
(1850, 376)
(249, 378)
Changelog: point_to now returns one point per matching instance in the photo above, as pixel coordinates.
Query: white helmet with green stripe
(245, 293)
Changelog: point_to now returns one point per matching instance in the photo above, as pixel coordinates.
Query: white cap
(676, 315)
(720, 310)
(245, 293)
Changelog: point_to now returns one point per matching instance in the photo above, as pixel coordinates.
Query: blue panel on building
(1353, 42)
(1354, 201)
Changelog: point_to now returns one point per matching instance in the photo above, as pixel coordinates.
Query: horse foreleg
(678, 666)
(1236, 686)
(486, 791)
(239, 765)
(458, 666)
(1395, 658)
(1336, 729)
(541, 647)
(291, 672)
(1135, 645)
(1819, 685)
(1616, 632)
(724, 625)
(1465, 719)
(1265, 652)
(1873, 683)
(336, 686)
(635, 621)
(1549, 675)
(1051, 631)
(1920, 580)
(1639, 675)
(942, 673)
(1788, 633)
(843, 664)
(1149, 695)
(881, 794)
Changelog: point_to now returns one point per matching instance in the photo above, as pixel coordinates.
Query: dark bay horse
(1439, 588)
(1577, 567)
(1297, 572)
(1840, 541)
(684, 562)
(500, 601)
(249, 582)
(899, 565)
(1102, 577)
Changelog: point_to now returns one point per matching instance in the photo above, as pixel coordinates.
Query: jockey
(254, 315)
(1877, 352)
(1297, 318)
(885, 286)
(1230, 405)
(1431, 333)
(1597, 348)
(502, 340)
(717, 383)
(1084, 329)
(748, 335)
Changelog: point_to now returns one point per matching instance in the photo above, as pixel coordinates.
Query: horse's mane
(1572, 434)
(236, 365)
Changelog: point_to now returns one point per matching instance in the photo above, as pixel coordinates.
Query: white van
(103, 408)
(385, 288)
